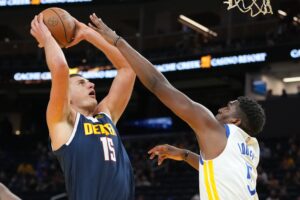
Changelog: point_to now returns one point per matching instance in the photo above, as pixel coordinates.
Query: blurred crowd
(38, 172)
(30, 172)
(279, 169)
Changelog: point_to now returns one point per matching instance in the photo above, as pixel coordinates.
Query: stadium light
(291, 79)
(18, 132)
(282, 13)
(296, 19)
(196, 26)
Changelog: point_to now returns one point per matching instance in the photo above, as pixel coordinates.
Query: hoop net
(254, 8)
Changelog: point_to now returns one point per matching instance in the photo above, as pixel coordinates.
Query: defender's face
(82, 93)
(228, 113)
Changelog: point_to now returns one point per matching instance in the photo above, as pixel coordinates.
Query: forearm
(110, 51)
(54, 57)
(5, 194)
(146, 72)
(192, 159)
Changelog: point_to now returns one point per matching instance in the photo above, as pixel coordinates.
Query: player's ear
(235, 121)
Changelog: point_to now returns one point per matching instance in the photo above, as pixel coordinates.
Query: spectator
(25, 169)
(265, 152)
(273, 196)
(269, 94)
(283, 94)
(196, 197)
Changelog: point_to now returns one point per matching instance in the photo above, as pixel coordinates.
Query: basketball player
(6, 194)
(229, 154)
(83, 133)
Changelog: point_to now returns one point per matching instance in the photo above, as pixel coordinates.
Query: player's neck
(88, 112)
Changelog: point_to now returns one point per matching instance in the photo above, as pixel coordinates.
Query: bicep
(195, 114)
(206, 127)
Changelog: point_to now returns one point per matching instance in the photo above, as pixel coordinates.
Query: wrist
(117, 40)
(181, 154)
(86, 33)
(48, 39)
(185, 155)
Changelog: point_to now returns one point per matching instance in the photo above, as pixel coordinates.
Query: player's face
(82, 93)
(228, 113)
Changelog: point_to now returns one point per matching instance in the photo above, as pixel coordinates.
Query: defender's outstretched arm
(208, 130)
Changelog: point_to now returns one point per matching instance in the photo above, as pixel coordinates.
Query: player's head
(245, 113)
(82, 93)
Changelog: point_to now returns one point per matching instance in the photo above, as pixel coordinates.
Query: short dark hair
(74, 75)
(252, 115)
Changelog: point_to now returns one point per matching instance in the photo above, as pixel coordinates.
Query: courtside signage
(205, 62)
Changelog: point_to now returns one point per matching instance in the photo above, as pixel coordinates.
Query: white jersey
(232, 175)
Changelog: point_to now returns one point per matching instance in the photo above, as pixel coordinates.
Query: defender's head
(82, 93)
(245, 113)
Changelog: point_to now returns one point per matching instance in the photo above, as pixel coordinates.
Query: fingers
(153, 155)
(97, 21)
(93, 27)
(32, 32)
(152, 150)
(161, 159)
(94, 20)
(94, 15)
(34, 26)
(159, 148)
(160, 151)
(34, 23)
(40, 18)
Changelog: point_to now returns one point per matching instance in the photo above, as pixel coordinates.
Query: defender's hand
(39, 30)
(98, 25)
(166, 151)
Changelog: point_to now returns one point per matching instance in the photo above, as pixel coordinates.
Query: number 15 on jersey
(108, 149)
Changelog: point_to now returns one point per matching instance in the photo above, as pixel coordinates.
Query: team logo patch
(99, 116)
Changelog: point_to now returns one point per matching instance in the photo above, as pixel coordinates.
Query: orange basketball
(61, 25)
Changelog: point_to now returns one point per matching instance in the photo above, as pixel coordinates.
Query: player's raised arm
(59, 106)
(120, 92)
(6, 194)
(202, 121)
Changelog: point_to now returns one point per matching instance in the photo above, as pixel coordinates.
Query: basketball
(61, 25)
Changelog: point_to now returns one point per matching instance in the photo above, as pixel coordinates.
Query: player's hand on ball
(39, 30)
(98, 25)
(166, 151)
(81, 30)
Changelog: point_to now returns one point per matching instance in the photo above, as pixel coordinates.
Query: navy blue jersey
(95, 163)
